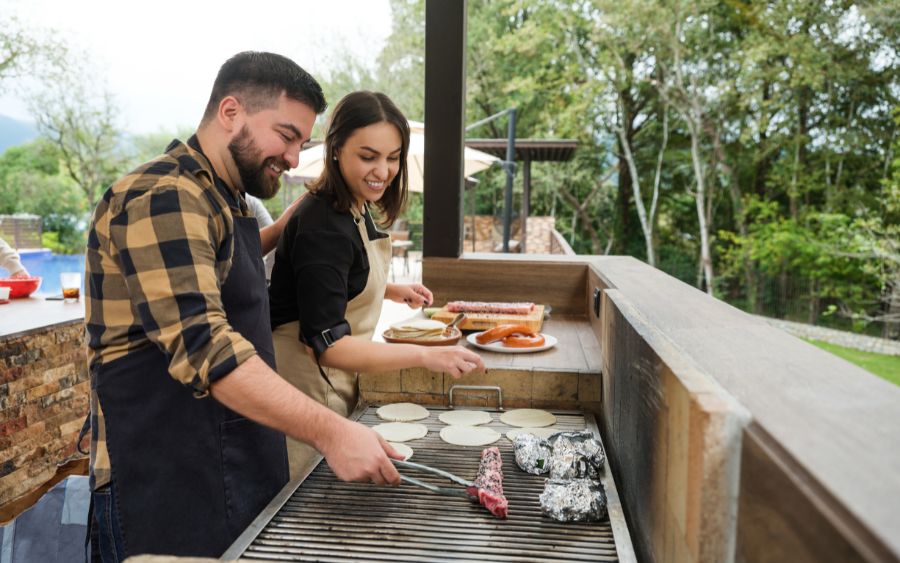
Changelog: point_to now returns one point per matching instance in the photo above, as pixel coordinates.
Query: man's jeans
(104, 532)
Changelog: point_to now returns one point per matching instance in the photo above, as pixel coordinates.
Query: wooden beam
(509, 277)
(445, 110)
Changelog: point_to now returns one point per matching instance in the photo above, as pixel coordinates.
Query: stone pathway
(839, 337)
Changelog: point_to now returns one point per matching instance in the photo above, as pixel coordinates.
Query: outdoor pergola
(527, 151)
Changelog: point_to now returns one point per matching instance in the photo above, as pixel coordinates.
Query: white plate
(549, 342)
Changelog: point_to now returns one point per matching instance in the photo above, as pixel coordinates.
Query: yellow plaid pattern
(159, 249)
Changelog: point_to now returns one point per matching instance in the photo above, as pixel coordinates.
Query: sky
(159, 59)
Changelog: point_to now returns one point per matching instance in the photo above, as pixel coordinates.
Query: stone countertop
(20, 317)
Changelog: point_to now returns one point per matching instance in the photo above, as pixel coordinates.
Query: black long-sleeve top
(320, 265)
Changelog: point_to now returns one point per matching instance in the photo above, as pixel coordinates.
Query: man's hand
(455, 360)
(353, 451)
(20, 274)
(414, 294)
(357, 453)
(289, 210)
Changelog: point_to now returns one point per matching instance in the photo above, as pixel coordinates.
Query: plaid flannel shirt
(159, 249)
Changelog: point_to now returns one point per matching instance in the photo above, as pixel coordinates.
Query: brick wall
(44, 397)
(488, 233)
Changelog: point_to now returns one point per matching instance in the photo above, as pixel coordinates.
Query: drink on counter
(71, 286)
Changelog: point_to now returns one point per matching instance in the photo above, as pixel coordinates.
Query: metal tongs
(470, 491)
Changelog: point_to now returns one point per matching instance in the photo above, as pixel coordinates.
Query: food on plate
(522, 341)
(502, 331)
(576, 500)
(402, 449)
(402, 412)
(490, 307)
(400, 431)
(465, 418)
(469, 435)
(489, 483)
(422, 329)
(528, 418)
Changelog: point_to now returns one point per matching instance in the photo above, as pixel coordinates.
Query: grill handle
(479, 388)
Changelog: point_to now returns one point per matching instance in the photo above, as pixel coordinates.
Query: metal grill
(323, 519)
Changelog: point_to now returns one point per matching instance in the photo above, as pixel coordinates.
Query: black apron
(190, 474)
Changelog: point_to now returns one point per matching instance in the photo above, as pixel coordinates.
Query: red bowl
(21, 287)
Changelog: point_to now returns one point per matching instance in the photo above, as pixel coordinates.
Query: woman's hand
(455, 360)
(414, 294)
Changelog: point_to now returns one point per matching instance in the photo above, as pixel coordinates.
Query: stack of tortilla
(421, 329)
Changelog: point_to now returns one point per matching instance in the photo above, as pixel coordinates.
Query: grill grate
(327, 520)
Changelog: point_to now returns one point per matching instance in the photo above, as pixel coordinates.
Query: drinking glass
(71, 286)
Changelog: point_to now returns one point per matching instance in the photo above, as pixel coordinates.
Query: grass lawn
(885, 367)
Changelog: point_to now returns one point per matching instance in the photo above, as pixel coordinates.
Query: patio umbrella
(311, 159)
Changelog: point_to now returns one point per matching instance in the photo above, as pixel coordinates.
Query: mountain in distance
(14, 132)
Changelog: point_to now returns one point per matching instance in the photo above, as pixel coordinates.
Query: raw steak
(484, 307)
(488, 484)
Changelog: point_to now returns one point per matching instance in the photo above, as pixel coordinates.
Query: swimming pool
(48, 266)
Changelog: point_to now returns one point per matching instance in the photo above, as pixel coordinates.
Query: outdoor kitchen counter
(21, 317)
(566, 376)
(44, 391)
(576, 351)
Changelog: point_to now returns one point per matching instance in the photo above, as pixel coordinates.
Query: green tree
(750, 140)
(79, 117)
(31, 182)
(26, 52)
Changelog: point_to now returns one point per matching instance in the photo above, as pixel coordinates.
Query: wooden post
(445, 109)
(526, 202)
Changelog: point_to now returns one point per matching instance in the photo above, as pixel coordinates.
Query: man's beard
(253, 173)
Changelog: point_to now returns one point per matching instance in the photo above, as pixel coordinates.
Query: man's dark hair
(257, 80)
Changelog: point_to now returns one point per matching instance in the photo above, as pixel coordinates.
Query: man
(188, 416)
(264, 219)
(9, 261)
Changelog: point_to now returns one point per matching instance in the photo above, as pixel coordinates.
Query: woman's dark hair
(355, 111)
(257, 80)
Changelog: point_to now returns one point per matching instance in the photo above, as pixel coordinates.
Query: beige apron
(296, 363)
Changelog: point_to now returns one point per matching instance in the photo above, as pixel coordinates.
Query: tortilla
(465, 418)
(469, 435)
(401, 412)
(542, 433)
(400, 431)
(402, 449)
(528, 418)
(418, 328)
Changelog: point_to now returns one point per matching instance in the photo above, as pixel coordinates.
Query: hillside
(14, 132)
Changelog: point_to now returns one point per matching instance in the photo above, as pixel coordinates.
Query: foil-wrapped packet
(576, 500)
(575, 455)
(532, 454)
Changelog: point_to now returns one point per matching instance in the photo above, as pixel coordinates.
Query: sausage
(518, 341)
(502, 331)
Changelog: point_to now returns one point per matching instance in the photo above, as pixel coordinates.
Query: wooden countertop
(577, 350)
(20, 317)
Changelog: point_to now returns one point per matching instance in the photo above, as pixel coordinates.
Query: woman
(9, 261)
(331, 265)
